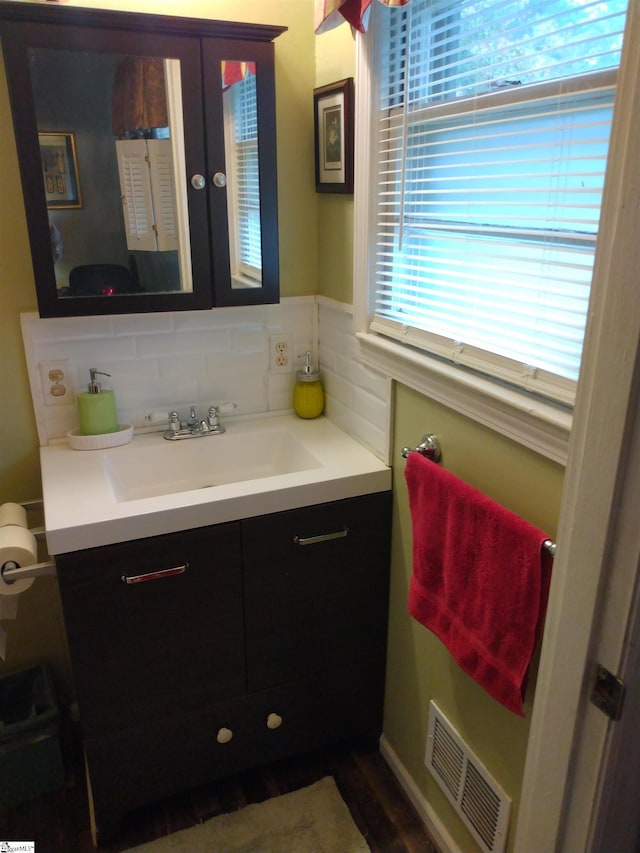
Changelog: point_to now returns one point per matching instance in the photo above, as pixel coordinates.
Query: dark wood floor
(59, 822)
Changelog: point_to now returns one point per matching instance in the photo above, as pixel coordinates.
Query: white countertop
(83, 510)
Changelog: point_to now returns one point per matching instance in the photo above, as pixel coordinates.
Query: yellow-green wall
(335, 60)
(316, 256)
(38, 633)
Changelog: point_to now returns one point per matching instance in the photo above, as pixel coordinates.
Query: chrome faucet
(195, 427)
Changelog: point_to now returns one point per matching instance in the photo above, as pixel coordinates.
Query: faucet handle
(174, 421)
(213, 418)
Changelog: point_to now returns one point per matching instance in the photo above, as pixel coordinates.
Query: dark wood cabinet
(203, 653)
(126, 636)
(69, 70)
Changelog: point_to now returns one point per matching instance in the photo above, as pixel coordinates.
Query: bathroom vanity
(220, 646)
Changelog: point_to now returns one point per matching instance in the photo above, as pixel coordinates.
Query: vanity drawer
(169, 641)
(131, 768)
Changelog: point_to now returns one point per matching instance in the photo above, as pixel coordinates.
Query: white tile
(59, 420)
(339, 388)
(173, 360)
(179, 365)
(230, 362)
(194, 342)
(99, 353)
(70, 328)
(251, 339)
(143, 324)
(218, 318)
(370, 408)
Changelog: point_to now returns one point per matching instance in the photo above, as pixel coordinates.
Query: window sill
(244, 282)
(540, 426)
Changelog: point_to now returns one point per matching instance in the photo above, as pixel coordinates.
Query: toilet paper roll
(13, 514)
(19, 546)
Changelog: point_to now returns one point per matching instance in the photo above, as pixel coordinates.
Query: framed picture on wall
(333, 121)
(60, 170)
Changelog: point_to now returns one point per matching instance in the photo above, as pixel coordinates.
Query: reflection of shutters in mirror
(145, 167)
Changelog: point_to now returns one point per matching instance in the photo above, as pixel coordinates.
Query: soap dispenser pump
(308, 394)
(97, 407)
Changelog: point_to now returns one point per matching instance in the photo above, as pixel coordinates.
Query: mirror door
(107, 138)
(241, 153)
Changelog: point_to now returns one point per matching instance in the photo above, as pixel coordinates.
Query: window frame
(540, 424)
(243, 274)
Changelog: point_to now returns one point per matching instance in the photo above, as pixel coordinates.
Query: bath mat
(311, 820)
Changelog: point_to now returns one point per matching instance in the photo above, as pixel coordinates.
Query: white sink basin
(153, 486)
(201, 463)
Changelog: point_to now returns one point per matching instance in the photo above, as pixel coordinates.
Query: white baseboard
(432, 822)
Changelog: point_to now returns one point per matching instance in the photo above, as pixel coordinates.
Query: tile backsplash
(160, 362)
(357, 398)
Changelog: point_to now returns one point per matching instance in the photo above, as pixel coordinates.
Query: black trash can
(30, 754)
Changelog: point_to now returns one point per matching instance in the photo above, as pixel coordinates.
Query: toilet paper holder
(11, 572)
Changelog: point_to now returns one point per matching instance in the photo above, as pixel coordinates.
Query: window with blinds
(493, 129)
(243, 191)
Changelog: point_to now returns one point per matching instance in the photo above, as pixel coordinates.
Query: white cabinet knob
(224, 735)
(274, 721)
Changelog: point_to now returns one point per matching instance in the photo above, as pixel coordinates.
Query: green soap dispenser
(97, 408)
(308, 394)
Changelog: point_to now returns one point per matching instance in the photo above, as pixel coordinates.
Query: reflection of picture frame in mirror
(333, 120)
(60, 170)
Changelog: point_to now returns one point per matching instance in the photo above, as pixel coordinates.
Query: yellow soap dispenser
(308, 394)
(97, 407)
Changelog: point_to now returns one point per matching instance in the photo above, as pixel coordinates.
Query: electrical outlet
(280, 354)
(54, 377)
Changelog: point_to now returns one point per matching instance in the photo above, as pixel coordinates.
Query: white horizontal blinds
(247, 187)
(480, 45)
(490, 174)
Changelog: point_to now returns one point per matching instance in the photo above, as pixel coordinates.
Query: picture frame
(333, 125)
(60, 170)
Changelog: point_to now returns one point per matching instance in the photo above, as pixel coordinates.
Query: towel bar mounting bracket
(429, 447)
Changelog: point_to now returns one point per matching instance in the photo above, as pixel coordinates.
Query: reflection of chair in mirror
(102, 280)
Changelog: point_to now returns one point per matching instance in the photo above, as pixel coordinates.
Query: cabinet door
(241, 152)
(71, 90)
(316, 592)
(80, 78)
(163, 643)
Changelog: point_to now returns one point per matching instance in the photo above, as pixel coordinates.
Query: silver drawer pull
(324, 537)
(154, 576)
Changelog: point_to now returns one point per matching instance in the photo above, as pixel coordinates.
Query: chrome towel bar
(429, 447)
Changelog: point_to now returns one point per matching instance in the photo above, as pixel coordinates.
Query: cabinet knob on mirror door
(198, 182)
(224, 735)
(274, 721)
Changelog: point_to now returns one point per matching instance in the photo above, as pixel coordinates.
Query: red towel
(480, 579)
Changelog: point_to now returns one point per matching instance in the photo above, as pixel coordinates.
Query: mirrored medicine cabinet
(147, 153)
